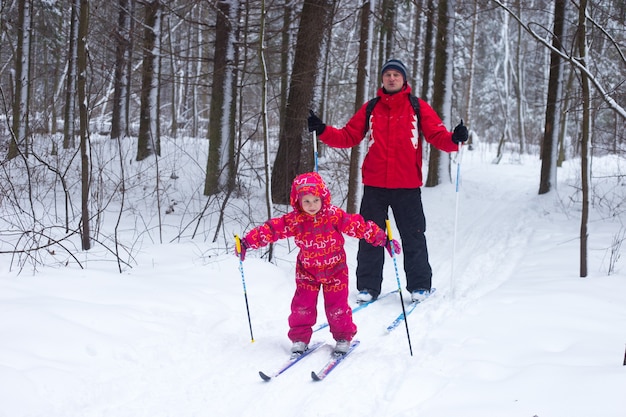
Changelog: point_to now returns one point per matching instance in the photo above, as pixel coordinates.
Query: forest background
(89, 90)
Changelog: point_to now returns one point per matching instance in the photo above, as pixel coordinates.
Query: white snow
(521, 334)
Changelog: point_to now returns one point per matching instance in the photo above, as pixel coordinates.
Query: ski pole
(456, 215)
(395, 265)
(243, 281)
(315, 148)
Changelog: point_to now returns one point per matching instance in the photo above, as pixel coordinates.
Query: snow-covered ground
(512, 331)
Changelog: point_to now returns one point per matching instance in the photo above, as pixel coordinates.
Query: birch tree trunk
(564, 117)
(220, 162)
(505, 91)
(195, 105)
(471, 71)
(22, 81)
(119, 127)
(59, 64)
(521, 97)
(70, 91)
(264, 124)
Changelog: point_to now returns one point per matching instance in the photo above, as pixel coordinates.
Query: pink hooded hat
(308, 183)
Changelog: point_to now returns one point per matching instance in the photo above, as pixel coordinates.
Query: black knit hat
(395, 64)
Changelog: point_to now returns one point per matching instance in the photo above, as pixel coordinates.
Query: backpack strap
(368, 113)
(415, 103)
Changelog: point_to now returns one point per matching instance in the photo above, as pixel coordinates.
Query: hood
(308, 183)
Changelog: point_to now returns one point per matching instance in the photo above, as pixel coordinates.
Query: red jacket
(394, 154)
(320, 236)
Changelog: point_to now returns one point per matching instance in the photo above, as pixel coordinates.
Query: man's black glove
(460, 133)
(315, 123)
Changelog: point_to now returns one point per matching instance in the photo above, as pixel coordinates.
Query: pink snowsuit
(321, 261)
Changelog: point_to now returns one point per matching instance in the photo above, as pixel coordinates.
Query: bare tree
(504, 91)
(428, 49)
(595, 80)
(264, 123)
(585, 134)
(520, 86)
(438, 165)
(387, 29)
(549, 145)
(147, 143)
(288, 162)
(119, 114)
(81, 84)
(568, 93)
(471, 70)
(418, 30)
(55, 54)
(22, 80)
(285, 56)
(70, 91)
(220, 162)
(362, 80)
(198, 65)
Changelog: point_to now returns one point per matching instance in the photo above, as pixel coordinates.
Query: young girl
(317, 227)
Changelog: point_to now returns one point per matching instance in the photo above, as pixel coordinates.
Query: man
(392, 175)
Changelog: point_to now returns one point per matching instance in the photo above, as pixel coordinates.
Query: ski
(359, 307)
(291, 361)
(335, 360)
(409, 309)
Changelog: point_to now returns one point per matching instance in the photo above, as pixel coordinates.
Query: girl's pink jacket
(320, 236)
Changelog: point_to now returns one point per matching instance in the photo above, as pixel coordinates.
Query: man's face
(393, 81)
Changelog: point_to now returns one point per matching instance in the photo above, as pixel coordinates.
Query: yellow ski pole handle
(238, 243)
(388, 224)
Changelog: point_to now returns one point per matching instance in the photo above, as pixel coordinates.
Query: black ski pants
(411, 223)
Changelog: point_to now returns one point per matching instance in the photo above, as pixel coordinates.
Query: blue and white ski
(359, 307)
(291, 362)
(335, 360)
(408, 310)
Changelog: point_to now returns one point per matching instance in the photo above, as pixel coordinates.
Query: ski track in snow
(482, 265)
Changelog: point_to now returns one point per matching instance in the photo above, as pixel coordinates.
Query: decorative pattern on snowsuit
(321, 261)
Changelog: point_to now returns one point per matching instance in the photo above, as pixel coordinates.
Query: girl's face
(311, 203)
